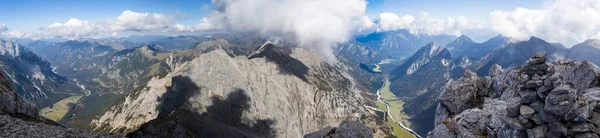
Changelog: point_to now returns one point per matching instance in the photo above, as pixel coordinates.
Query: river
(392, 117)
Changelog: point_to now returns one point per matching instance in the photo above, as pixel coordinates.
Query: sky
(563, 21)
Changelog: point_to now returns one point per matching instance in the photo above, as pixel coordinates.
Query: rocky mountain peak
(538, 99)
(9, 48)
(464, 38)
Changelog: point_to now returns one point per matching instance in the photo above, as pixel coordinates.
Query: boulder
(537, 132)
(538, 58)
(561, 101)
(584, 76)
(526, 111)
(496, 70)
(528, 96)
(513, 123)
(460, 95)
(557, 129)
(513, 106)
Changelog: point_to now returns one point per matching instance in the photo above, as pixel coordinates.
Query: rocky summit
(538, 99)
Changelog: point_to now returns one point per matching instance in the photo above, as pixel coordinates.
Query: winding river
(389, 113)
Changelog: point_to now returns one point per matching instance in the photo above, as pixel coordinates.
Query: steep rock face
(19, 118)
(429, 71)
(32, 76)
(430, 53)
(274, 92)
(539, 99)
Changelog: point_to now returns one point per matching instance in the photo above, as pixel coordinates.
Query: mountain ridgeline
(242, 85)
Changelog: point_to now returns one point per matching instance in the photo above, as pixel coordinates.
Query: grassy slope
(59, 109)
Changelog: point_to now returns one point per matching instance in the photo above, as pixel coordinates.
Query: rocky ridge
(274, 92)
(538, 99)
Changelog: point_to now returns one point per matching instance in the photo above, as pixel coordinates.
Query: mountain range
(242, 85)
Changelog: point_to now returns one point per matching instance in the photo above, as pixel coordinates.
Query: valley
(388, 102)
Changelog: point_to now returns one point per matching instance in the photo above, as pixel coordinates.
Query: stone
(536, 119)
(508, 132)
(534, 83)
(513, 123)
(585, 127)
(537, 132)
(582, 114)
(536, 77)
(586, 135)
(561, 101)
(583, 76)
(547, 117)
(537, 105)
(441, 131)
(557, 128)
(526, 111)
(528, 96)
(496, 70)
(459, 95)
(538, 58)
(513, 106)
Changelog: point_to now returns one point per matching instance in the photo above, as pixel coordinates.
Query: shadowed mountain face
(273, 92)
(223, 118)
(280, 56)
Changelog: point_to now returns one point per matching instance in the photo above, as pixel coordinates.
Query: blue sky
(29, 15)
(564, 21)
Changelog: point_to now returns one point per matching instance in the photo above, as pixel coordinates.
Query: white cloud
(565, 21)
(73, 28)
(3, 28)
(128, 21)
(425, 24)
(318, 24)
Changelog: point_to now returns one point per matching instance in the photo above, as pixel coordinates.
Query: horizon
(568, 22)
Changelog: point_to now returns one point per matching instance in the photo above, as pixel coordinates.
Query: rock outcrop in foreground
(539, 99)
(20, 118)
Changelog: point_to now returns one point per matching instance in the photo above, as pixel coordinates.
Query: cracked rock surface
(538, 99)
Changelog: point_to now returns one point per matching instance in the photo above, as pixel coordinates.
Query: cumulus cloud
(128, 21)
(318, 24)
(425, 24)
(3, 28)
(565, 21)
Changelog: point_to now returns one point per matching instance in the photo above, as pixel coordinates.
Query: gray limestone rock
(496, 70)
(526, 111)
(514, 104)
(583, 76)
